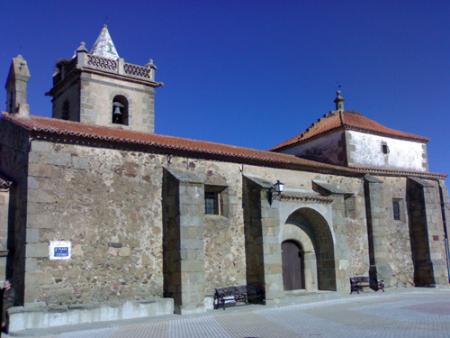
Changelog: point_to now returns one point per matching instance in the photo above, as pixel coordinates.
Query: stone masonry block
(191, 220)
(31, 265)
(270, 240)
(37, 250)
(33, 183)
(35, 157)
(41, 170)
(269, 213)
(41, 196)
(80, 162)
(191, 232)
(41, 146)
(193, 280)
(192, 266)
(187, 254)
(124, 252)
(59, 159)
(273, 269)
(44, 221)
(191, 244)
(4, 198)
(32, 235)
(272, 258)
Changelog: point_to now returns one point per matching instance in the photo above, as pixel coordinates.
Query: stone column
(341, 249)
(376, 214)
(273, 266)
(120, 64)
(446, 219)
(263, 250)
(183, 254)
(4, 215)
(436, 234)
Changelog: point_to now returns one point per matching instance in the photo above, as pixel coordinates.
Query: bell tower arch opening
(318, 233)
(120, 110)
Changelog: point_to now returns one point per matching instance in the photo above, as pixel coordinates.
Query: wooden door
(293, 270)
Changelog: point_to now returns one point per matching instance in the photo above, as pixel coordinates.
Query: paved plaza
(399, 313)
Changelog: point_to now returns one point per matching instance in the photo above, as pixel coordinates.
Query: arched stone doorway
(293, 265)
(314, 237)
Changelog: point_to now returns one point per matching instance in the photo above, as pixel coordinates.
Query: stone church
(103, 219)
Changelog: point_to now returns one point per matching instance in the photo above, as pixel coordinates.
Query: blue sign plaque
(61, 252)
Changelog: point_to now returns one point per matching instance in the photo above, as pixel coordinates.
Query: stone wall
(349, 230)
(4, 211)
(394, 251)
(171, 238)
(108, 204)
(436, 230)
(4, 216)
(364, 149)
(117, 243)
(445, 205)
(403, 248)
(97, 94)
(183, 233)
(350, 226)
(253, 237)
(69, 92)
(224, 234)
(423, 267)
(14, 143)
(329, 148)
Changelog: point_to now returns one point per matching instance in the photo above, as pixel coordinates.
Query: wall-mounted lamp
(278, 188)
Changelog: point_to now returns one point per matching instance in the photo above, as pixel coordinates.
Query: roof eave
(286, 161)
(411, 137)
(303, 141)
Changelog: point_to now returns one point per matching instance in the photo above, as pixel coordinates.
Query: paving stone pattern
(409, 314)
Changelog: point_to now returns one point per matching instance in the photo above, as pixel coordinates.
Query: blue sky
(254, 73)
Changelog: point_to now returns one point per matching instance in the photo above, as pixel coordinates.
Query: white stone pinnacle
(104, 46)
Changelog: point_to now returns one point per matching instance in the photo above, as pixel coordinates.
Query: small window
(65, 114)
(212, 203)
(396, 207)
(120, 110)
(215, 197)
(385, 148)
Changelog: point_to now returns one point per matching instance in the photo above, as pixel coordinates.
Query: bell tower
(99, 87)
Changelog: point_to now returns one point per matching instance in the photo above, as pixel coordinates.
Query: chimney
(16, 88)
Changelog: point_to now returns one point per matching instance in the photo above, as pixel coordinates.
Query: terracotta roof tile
(108, 134)
(43, 128)
(346, 120)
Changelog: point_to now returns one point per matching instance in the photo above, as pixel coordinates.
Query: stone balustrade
(119, 66)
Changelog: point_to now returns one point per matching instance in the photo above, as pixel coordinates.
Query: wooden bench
(232, 295)
(357, 284)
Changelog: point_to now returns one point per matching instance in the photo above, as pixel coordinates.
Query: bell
(117, 113)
